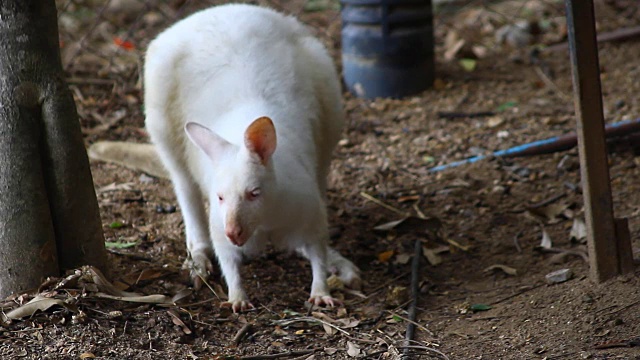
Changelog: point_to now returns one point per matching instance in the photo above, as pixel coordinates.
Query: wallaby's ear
(211, 143)
(260, 138)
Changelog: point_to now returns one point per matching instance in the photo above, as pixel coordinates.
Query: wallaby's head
(242, 177)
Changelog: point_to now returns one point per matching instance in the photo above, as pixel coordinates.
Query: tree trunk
(49, 218)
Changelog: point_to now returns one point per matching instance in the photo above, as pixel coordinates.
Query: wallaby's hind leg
(344, 269)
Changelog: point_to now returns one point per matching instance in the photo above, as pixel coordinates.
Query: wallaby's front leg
(191, 204)
(316, 252)
(230, 259)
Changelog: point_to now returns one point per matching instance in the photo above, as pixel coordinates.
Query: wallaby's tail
(139, 157)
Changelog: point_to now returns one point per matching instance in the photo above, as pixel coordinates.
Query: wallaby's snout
(235, 234)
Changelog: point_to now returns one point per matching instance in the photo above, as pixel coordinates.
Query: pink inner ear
(260, 138)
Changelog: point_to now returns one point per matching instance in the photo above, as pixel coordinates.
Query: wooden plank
(625, 251)
(601, 230)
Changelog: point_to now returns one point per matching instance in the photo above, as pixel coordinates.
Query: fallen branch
(279, 355)
(415, 270)
(241, 334)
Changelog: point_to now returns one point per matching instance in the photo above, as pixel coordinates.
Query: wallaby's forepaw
(324, 300)
(200, 267)
(238, 305)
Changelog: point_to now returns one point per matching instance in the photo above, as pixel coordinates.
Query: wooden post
(608, 253)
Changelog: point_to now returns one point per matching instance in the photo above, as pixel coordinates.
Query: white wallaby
(244, 107)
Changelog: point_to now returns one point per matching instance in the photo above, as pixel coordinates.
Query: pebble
(559, 276)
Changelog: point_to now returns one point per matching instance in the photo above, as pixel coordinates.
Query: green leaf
(479, 307)
(119, 245)
(396, 318)
(116, 225)
(506, 106)
(468, 64)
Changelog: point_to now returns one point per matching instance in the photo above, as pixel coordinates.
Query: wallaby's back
(211, 79)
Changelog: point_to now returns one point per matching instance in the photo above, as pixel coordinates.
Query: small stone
(559, 276)
(159, 209)
(170, 209)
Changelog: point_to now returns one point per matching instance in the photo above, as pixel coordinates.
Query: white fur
(223, 68)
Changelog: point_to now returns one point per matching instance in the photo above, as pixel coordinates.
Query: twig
(516, 241)
(415, 269)
(241, 334)
(312, 320)
(411, 321)
(548, 201)
(425, 348)
(130, 255)
(279, 355)
(378, 202)
(547, 81)
(461, 115)
(375, 290)
(517, 294)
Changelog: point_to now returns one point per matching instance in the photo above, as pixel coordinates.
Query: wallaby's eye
(220, 198)
(253, 194)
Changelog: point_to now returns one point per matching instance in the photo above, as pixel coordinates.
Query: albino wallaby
(244, 107)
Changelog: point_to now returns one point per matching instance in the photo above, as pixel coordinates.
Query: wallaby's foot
(200, 267)
(238, 305)
(348, 273)
(324, 300)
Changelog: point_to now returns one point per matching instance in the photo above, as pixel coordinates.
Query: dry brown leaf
(578, 230)
(144, 299)
(504, 268)
(384, 256)
(175, 318)
(352, 349)
(546, 242)
(87, 355)
(39, 302)
(432, 257)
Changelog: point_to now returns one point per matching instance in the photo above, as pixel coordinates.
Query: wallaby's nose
(234, 232)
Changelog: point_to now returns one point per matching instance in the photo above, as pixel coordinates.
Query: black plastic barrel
(387, 47)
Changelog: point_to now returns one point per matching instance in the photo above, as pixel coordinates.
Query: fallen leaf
(116, 187)
(506, 106)
(119, 245)
(479, 307)
(578, 230)
(384, 256)
(402, 259)
(348, 323)
(87, 355)
(412, 224)
(330, 351)
(495, 121)
(546, 242)
(116, 225)
(38, 303)
(177, 321)
(124, 44)
(145, 299)
(504, 268)
(432, 257)
(468, 64)
(551, 212)
(352, 349)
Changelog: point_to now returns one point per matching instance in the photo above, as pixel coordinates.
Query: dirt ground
(483, 293)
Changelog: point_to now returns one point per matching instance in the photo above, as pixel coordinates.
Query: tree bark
(49, 218)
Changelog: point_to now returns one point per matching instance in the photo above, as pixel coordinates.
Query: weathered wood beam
(609, 254)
